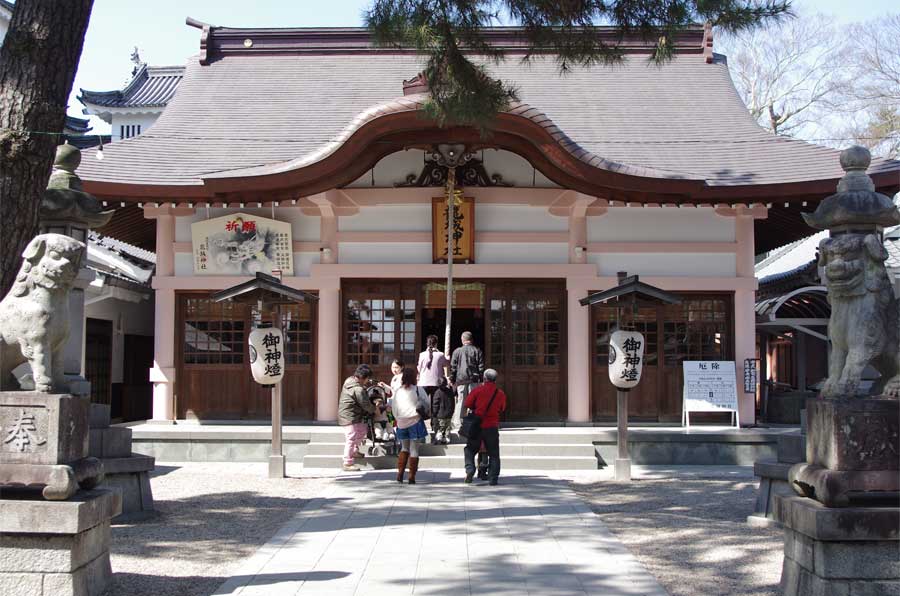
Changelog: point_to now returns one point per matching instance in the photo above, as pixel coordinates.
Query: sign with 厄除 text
(709, 386)
(242, 244)
(463, 230)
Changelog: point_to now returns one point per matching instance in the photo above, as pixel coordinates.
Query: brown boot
(413, 468)
(402, 458)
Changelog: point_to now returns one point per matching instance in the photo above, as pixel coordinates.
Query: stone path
(369, 536)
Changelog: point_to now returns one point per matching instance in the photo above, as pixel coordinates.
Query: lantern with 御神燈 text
(626, 358)
(266, 355)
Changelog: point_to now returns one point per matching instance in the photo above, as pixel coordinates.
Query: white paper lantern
(266, 355)
(626, 358)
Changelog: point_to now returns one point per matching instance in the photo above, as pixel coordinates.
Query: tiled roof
(77, 125)
(684, 118)
(128, 250)
(152, 86)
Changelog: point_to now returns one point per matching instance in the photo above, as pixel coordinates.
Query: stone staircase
(518, 451)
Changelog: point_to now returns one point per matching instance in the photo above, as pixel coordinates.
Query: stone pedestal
(44, 443)
(124, 471)
(773, 479)
(838, 551)
(852, 452)
(57, 548)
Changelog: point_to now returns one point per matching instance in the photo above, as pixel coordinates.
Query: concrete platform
(522, 447)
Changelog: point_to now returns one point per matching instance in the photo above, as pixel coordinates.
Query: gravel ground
(689, 530)
(209, 516)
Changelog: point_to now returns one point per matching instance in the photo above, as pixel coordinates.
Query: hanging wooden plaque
(463, 230)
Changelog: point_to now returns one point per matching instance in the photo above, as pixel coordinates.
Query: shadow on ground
(692, 533)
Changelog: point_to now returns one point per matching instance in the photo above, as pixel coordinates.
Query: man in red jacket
(488, 401)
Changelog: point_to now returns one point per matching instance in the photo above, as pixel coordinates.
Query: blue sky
(157, 28)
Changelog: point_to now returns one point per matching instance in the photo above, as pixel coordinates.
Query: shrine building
(305, 152)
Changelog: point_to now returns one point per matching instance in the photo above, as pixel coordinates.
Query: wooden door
(380, 323)
(98, 359)
(643, 402)
(214, 380)
(697, 329)
(526, 345)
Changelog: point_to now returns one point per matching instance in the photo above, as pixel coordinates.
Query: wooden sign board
(242, 244)
(463, 230)
(709, 386)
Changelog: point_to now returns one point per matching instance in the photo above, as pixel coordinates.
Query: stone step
(456, 449)
(508, 436)
(447, 462)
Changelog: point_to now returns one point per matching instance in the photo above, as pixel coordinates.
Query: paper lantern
(266, 355)
(626, 358)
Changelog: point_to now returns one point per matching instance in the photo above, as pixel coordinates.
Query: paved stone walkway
(370, 536)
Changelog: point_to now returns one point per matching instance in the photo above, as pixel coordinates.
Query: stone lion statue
(864, 325)
(34, 316)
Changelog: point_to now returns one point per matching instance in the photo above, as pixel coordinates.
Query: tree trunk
(37, 67)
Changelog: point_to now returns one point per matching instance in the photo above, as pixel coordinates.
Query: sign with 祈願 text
(709, 386)
(266, 355)
(463, 230)
(241, 244)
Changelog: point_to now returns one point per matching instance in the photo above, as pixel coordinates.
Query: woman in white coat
(405, 403)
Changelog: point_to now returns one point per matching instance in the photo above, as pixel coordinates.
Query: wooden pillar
(328, 353)
(276, 457)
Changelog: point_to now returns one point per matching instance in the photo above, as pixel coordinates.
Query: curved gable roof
(680, 121)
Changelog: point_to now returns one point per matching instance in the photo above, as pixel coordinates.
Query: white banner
(241, 244)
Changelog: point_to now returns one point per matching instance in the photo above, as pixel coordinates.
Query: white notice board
(709, 386)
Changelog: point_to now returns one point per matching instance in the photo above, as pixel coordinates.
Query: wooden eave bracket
(576, 204)
(756, 210)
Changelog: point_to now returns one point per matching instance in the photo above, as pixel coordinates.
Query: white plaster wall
(515, 169)
(392, 169)
(517, 218)
(184, 264)
(128, 318)
(385, 252)
(660, 224)
(118, 119)
(303, 261)
(388, 218)
(521, 252)
(667, 264)
(306, 228)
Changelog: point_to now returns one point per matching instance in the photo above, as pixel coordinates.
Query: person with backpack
(487, 402)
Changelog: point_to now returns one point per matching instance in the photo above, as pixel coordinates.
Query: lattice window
(214, 333)
(498, 328)
(535, 332)
(297, 325)
(407, 335)
(696, 329)
(645, 322)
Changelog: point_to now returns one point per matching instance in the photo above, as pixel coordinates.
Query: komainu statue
(865, 316)
(34, 316)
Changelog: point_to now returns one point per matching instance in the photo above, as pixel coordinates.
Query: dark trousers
(491, 438)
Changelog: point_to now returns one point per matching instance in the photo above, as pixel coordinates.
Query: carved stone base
(57, 548)
(852, 452)
(831, 552)
(58, 482)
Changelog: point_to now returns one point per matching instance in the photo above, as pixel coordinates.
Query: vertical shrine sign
(242, 244)
(463, 230)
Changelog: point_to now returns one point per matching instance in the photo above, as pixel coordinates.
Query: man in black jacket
(466, 370)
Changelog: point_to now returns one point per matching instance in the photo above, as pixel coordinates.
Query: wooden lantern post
(630, 293)
(268, 293)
